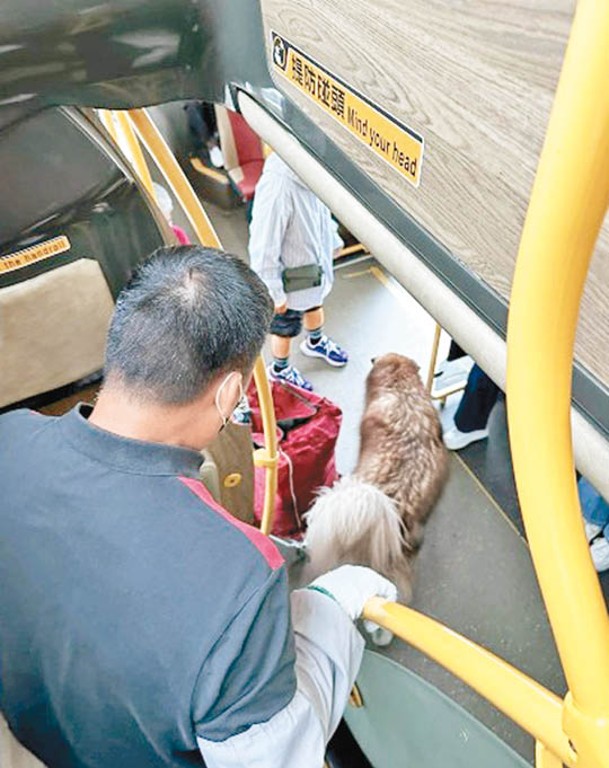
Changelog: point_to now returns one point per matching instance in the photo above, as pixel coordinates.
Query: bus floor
(474, 572)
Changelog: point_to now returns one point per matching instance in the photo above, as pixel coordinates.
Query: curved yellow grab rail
(566, 210)
(522, 699)
(568, 203)
(164, 159)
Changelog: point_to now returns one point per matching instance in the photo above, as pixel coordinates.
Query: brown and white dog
(375, 517)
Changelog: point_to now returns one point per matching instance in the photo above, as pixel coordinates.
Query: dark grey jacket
(135, 615)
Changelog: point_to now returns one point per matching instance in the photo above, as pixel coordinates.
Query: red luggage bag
(308, 427)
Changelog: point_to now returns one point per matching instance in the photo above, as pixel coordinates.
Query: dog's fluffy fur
(375, 517)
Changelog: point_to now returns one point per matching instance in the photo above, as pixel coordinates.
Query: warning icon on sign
(280, 54)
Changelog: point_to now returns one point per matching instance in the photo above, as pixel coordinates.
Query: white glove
(353, 585)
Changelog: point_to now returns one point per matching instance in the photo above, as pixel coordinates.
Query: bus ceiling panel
(444, 109)
(66, 195)
(127, 53)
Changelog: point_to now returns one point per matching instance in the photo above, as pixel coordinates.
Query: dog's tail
(355, 522)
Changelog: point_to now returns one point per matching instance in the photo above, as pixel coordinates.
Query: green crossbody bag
(299, 278)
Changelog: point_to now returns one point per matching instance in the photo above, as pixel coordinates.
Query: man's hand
(281, 309)
(353, 585)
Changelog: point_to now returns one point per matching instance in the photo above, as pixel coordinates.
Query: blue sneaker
(291, 375)
(327, 349)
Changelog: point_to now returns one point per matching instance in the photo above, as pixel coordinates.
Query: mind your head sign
(391, 140)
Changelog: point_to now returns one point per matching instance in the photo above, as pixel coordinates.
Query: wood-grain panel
(476, 79)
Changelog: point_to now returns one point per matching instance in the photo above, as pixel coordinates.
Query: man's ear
(229, 392)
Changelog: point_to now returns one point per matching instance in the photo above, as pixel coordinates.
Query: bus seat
(53, 329)
(75, 225)
(242, 149)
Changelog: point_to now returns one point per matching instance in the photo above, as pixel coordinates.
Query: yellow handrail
(191, 205)
(267, 457)
(525, 701)
(567, 206)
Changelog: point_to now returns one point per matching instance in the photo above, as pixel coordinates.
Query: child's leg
(280, 347)
(314, 323)
(317, 344)
(284, 326)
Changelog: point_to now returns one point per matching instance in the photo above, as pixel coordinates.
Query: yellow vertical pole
(267, 457)
(566, 210)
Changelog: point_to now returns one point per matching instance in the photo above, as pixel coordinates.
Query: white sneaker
(599, 549)
(592, 530)
(452, 375)
(454, 439)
